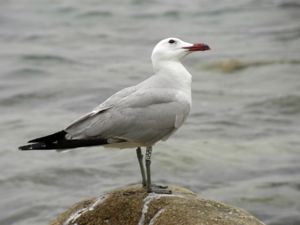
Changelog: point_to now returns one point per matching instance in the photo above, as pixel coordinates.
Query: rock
(133, 206)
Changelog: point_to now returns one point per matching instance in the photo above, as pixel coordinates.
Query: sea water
(240, 144)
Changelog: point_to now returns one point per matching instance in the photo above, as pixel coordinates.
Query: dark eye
(171, 41)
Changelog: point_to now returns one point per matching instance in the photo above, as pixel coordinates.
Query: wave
(288, 4)
(26, 71)
(234, 65)
(19, 98)
(54, 176)
(287, 105)
(47, 58)
(94, 13)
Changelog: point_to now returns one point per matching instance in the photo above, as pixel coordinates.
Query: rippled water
(240, 145)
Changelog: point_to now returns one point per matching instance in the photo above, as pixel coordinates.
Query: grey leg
(140, 158)
(148, 164)
(153, 188)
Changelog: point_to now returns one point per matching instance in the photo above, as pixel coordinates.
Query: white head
(174, 49)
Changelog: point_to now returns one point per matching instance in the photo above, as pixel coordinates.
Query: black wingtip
(50, 138)
(24, 147)
(58, 141)
(36, 146)
(63, 144)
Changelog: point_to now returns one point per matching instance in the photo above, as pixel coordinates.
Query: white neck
(175, 72)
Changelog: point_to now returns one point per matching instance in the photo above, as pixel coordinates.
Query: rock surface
(132, 206)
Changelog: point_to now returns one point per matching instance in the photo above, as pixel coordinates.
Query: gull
(137, 116)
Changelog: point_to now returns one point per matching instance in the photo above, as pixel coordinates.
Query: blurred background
(240, 145)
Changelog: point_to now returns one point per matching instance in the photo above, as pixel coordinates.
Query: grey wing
(141, 117)
(82, 123)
